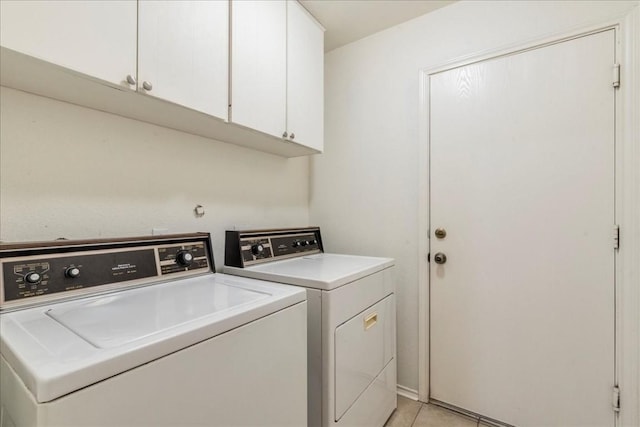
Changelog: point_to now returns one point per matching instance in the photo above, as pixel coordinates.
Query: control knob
(257, 249)
(32, 278)
(72, 272)
(184, 258)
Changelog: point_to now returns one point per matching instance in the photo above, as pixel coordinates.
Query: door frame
(627, 204)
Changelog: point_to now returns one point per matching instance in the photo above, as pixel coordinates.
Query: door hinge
(616, 398)
(616, 75)
(616, 237)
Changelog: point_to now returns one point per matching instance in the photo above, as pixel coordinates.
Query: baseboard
(407, 392)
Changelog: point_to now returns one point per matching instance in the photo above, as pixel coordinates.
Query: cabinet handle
(284, 135)
(130, 79)
(293, 135)
(147, 86)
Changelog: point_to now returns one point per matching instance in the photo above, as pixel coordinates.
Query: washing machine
(143, 332)
(351, 320)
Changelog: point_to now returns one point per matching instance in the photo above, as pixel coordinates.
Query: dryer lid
(321, 271)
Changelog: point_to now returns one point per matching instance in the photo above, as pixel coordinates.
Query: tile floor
(416, 414)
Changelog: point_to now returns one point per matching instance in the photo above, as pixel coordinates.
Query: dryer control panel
(39, 272)
(249, 247)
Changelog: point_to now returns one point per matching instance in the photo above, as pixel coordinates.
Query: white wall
(364, 188)
(69, 171)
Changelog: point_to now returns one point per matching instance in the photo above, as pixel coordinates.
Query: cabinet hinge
(616, 75)
(616, 237)
(616, 398)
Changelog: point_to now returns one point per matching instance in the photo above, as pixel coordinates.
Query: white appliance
(144, 332)
(351, 320)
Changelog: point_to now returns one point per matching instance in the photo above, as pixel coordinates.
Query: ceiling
(350, 20)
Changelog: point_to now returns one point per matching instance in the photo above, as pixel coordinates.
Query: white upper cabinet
(305, 77)
(259, 65)
(170, 58)
(183, 53)
(277, 69)
(97, 38)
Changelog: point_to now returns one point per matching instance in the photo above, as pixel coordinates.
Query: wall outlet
(159, 231)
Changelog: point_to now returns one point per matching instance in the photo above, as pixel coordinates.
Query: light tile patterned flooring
(416, 414)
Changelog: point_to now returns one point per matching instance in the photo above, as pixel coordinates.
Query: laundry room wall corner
(370, 176)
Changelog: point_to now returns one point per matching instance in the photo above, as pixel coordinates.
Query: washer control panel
(40, 273)
(187, 257)
(244, 248)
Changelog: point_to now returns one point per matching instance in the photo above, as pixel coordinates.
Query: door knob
(441, 233)
(440, 258)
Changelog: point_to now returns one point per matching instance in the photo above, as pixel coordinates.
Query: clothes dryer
(351, 320)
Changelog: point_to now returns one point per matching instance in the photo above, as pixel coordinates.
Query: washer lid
(121, 318)
(321, 271)
(60, 348)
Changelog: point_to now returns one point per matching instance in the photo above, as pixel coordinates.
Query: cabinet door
(258, 65)
(97, 38)
(305, 77)
(183, 53)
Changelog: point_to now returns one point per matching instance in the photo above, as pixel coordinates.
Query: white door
(522, 181)
(183, 53)
(97, 38)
